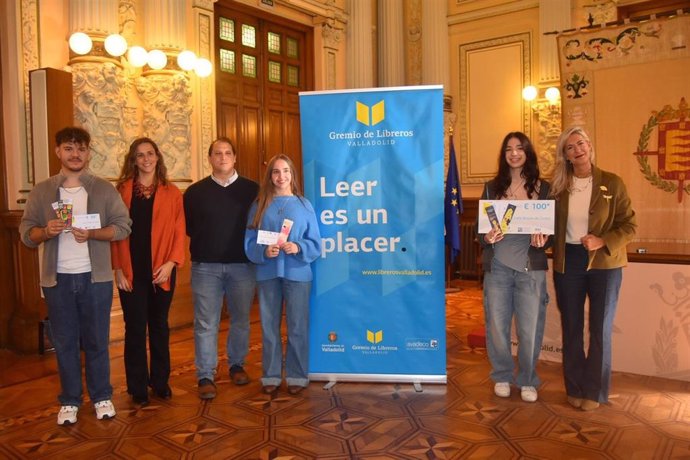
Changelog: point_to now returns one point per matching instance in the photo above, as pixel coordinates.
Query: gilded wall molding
(413, 42)
(30, 60)
(206, 91)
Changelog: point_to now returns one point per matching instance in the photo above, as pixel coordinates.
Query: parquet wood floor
(647, 418)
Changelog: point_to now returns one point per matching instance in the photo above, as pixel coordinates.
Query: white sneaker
(528, 394)
(502, 389)
(67, 415)
(104, 409)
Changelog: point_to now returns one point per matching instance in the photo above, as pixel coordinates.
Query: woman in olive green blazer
(594, 223)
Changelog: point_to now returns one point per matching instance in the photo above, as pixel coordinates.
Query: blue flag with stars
(453, 205)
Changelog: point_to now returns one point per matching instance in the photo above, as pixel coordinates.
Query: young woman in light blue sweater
(283, 272)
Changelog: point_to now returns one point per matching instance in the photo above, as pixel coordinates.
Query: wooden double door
(262, 63)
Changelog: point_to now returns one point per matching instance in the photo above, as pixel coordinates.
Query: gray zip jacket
(102, 199)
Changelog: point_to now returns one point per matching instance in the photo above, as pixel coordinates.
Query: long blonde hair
(267, 189)
(563, 170)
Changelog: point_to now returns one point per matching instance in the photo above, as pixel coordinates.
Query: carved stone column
(164, 24)
(98, 79)
(554, 15)
(166, 93)
(391, 43)
(435, 59)
(360, 73)
(93, 18)
(435, 56)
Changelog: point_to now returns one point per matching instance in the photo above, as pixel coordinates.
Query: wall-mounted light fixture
(547, 108)
(80, 43)
(116, 45)
(550, 102)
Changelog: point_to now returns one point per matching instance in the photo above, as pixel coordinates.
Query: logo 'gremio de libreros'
(673, 153)
(371, 116)
(374, 337)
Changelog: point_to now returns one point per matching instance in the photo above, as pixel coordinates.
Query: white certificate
(86, 221)
(517, 216)
(266, 237)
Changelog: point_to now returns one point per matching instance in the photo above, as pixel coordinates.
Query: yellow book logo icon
(377, 112)
(374, 337)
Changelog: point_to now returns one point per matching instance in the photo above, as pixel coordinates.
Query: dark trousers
(586, 375)
(147, 306)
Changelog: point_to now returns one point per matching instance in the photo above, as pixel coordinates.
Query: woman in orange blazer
(145, 266)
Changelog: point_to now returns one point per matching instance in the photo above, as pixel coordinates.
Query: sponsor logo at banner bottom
(377, 348)
(332, 346)
(421, 344)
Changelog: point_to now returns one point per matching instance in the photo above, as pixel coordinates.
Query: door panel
(263, 62)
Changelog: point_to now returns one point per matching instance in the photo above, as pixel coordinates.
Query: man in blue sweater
(216, 210)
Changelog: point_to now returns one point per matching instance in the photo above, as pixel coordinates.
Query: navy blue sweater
(216, 219)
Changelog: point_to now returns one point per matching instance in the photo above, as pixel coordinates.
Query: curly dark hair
(72, 134)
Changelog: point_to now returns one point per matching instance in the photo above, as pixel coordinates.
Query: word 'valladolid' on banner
(373, 168)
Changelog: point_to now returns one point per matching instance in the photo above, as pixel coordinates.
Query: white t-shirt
(578, 210)
(73, 257)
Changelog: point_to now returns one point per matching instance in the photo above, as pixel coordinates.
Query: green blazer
(611, 218)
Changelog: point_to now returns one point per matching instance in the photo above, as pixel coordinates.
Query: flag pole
(452, 210)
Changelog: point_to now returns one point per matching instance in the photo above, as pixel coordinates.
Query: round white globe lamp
(80, 43)
(157, 59)
(115, 45)
(186, 60)
(203, 67)
(529, 93)
(552, 95)
(137, 56)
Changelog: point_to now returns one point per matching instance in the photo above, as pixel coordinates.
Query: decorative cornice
(492, 11)
(204, 4)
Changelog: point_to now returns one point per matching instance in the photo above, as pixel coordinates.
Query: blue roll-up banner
(373, 169)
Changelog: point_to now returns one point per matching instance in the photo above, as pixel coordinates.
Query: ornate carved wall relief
(167, 118)
(99, 106)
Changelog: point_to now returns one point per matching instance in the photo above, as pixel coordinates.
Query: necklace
(72, 190)
(580, 184)
(144, 191)
(512, 191)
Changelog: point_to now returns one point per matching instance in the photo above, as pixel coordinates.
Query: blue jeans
(210, 282)
(79, 313)
(272, 293)
(522, 294)
(586, 375)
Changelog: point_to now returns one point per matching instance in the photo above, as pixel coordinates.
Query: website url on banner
(381, 272)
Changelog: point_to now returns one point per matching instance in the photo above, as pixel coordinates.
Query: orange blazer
(167, 231)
